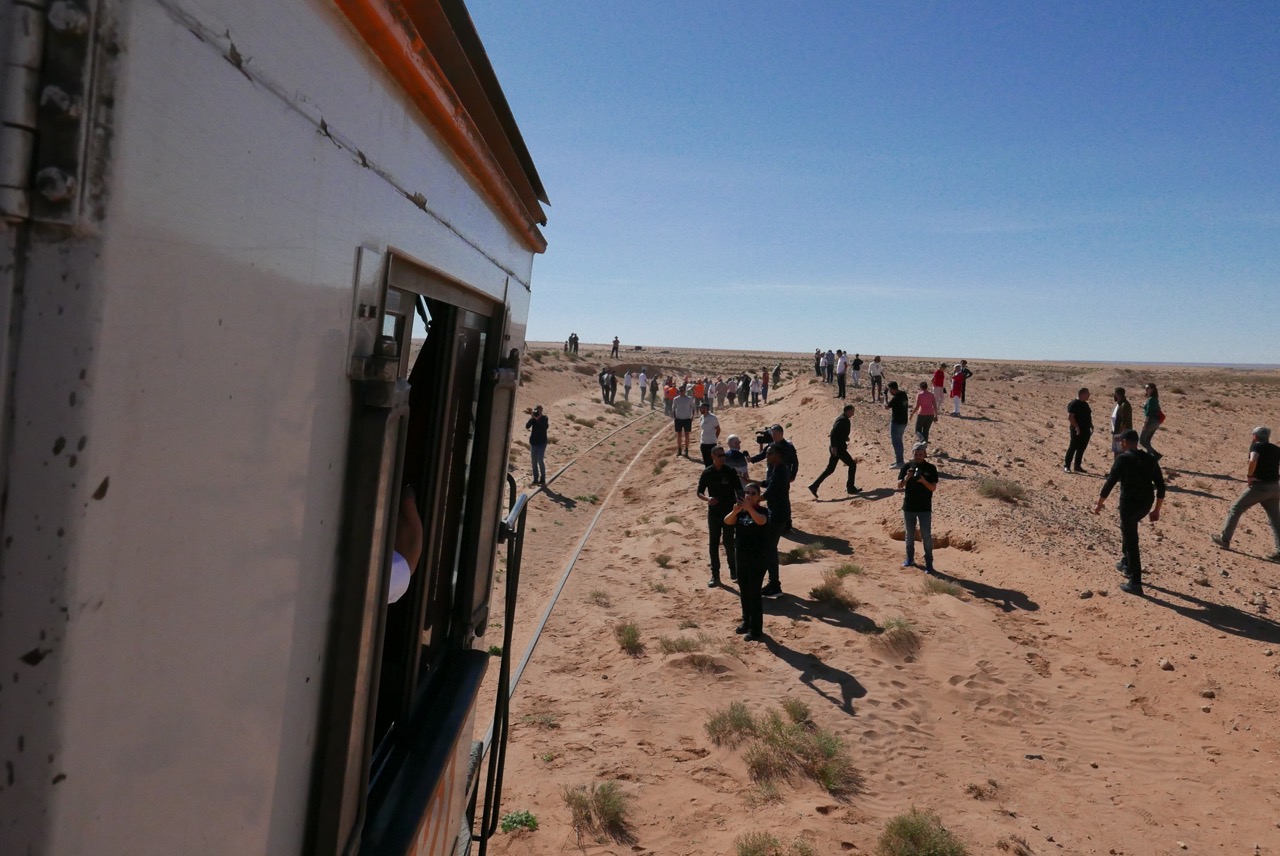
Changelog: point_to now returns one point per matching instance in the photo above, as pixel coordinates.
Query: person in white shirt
(626, 387)
(708, 433)
(643, 380)
(876, 371)
(842, 372)
(408, 546)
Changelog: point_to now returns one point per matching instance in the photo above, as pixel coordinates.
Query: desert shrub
(918, 833)
(671, 518)
(495, 650)
(522, 819)
(731, 726)
(600, 597)
(831, 591)
(663, 560)
(1003, 489)
(936, 585)
(899, 637)
(660, 466)
(609, 806)
(679, 644)
(849, 569)
(589, 498)
(687, 624)
(781, 747)
(800, 555)
(658, 586)
(703, 663)
(796, 710)
(757, 844)
(984, 791)
(579, 803)
(628, 635)
(1015, 844)
(545, 721)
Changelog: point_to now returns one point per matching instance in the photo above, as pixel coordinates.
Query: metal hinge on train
(44, 93)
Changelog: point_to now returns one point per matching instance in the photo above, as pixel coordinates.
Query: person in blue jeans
(917, 481)
(537, 426)
(898, 405)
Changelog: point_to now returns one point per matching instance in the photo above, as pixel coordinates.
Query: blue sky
(984, 179)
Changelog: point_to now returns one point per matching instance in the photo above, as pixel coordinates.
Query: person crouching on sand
(750, 520)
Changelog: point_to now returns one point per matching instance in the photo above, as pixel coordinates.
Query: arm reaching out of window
(408, 546)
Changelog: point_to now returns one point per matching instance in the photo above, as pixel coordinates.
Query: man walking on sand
(1121, 419)
(917, 481)
(839, 448)
(719, 487)
(1081, 418)
(1263, 477)
(682, 414)
(708, 432)
(1140, 482)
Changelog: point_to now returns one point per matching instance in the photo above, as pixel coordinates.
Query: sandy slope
(1125, 756)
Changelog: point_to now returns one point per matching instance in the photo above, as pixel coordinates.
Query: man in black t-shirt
(917, 481)
(839, 449)
(1141, 483)
(1263, 489)
(898, 406)
(777, 494)
(719, 487)
(1081, 418)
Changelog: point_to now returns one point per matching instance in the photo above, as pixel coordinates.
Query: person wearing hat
(1141, 483)
(708, 432)
(918, 480)
(840, 430)
(1264, 489)
(537, 428)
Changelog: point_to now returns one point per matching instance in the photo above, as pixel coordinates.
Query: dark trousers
(1129, 520)
(1144, 439)
(706, 453)
(750, 577)
(877, 387)
(840, 454)
(923, 424)
(840, 379)
(1075, 452)
(718, 531)
(776, 528)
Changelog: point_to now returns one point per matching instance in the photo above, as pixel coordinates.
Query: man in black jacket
(719, 487)
(1141, 483)
(840, 430)
(777, 495)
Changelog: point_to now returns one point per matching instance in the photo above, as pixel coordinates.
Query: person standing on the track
(719, 487)
(614, 353)
(752, 524)
(682, 414)
(839, 438)
(537, 427)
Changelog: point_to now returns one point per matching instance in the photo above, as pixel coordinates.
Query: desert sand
(1042, 711)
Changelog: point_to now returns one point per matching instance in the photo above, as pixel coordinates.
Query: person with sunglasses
(753, 541)
(718, 487)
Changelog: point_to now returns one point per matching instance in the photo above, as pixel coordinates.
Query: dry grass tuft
(984, 791)
(937, 585)
(628, 635)
(663, 560)
(899, 637)
(831, 591)
(601, 811)
(1002, 489)
(918, 833)
(683, 644)
(1015, 844)
(849, 569)
(800, 555)
(600, 597)
(778, 747)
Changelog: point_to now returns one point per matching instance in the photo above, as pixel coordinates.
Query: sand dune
(1036, 704)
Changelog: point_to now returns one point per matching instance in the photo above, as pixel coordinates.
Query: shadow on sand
(815, 674)
(1226, 619)
(1007, 599)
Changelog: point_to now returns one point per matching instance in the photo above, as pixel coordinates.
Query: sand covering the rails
(1043, 708)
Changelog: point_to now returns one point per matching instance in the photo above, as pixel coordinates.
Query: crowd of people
(746, 518)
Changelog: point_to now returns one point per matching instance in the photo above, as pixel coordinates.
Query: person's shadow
(826, 542)
(559, 498)
(1226, 619)
(818, 675)
(1007, 599)
(803, 609)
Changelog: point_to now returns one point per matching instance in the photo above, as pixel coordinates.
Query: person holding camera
(718, 487)
(917, 481)
(840, 430)
(537, 428)
(752, 526)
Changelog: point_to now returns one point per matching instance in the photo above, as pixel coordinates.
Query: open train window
(405, 674)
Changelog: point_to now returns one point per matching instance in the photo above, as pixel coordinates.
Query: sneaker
(1130, 587)
(741, 629)
(813, 490)
(928, 569)
(854, 490)
(897, 466)
(753, 636)
(1080, 470)
(771, 591)
(1122, 566)
(1226, 545)
(714, 582)
(1067, 470)
(908, 564)
(733, 575)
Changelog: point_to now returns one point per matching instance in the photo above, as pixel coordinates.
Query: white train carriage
(223, 221)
